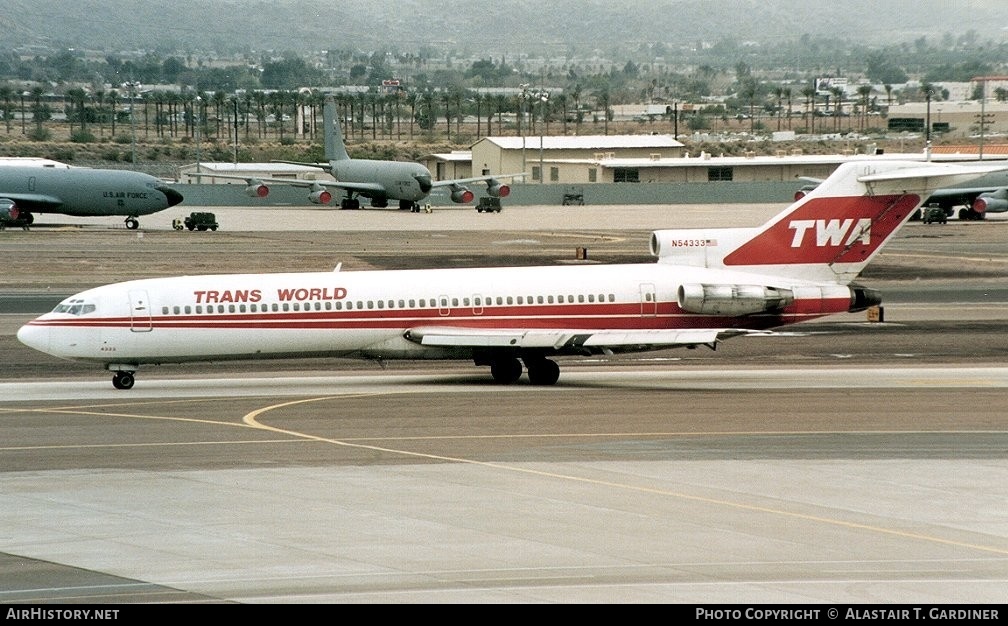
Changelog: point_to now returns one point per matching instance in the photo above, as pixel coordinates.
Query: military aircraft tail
(335, 149)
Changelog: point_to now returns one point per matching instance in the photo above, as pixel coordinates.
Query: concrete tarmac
(846, 462)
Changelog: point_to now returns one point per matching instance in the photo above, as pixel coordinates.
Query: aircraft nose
(35, 337)
(425, 182)
(173, 196)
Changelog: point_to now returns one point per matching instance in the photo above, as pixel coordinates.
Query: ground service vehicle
(488, 205)
(934, 213)
(197, 220)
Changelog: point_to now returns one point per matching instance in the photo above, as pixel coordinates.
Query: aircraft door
(444, 309)
(648, 300)
(140, 313)
(477, 304)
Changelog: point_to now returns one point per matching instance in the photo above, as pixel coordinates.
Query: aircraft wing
(475, 179)
(307, 184)
(33, 201)
(571, 341)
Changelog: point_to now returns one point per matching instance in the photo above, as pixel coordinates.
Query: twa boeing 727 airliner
(706, 285)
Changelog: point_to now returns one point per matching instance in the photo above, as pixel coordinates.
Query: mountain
(478, 26)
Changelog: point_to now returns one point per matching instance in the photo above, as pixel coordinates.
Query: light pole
(196, 106)
(543, 99)
(236, 129)
(132, 87)
(927, 125)
(522, 122)
(23, 94)
(983, 119)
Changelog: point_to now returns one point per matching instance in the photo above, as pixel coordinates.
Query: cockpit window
(74, 307)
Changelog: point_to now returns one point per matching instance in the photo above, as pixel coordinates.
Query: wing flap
(567, 340)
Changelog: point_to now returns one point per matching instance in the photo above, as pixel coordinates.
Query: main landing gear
(132, 223)
(123, 380)
(506, 370)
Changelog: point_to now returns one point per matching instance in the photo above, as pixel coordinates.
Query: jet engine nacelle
(990, 204)
(256, 189)
(863, 298)
(320, 196)
(9, 210)
(462, 195)
(498, 190)
(732, 299)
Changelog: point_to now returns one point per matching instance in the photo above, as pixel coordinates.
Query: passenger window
(164, 310)
(175, 309)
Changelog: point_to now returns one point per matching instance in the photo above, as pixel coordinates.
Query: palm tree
(602, 98)
(779, 92)
(787, 94)
(446, 96)
(809, 93)
(576, 94)
(865, 92)
(838, 92)
(219, 98)
(247, 99)
(99, 99)
(113, 101)
(6, 93)
(477, 99)
(562, 100)
(260, 100)
(37, 112)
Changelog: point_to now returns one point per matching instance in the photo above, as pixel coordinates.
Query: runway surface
(846, 462)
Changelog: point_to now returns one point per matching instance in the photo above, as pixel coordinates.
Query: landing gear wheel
(132, 223)
(123, 380)
(506, 371)
(542, 371)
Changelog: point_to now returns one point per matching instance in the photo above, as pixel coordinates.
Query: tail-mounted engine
(863, 298)
(733, 299)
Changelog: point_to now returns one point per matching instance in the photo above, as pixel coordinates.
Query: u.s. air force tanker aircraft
(381, 181)
(79, 191)
(707, 285)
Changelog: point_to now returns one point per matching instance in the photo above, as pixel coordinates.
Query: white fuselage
(366, 314)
